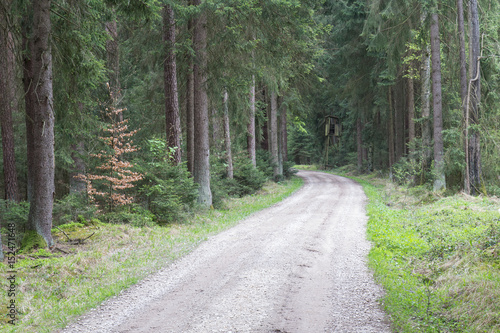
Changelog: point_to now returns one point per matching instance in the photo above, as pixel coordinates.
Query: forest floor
(298, 266)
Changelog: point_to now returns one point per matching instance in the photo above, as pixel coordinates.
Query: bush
(406, 171)
(167, 190)
(264, 164)
(15, 213)
(137, 216)
(266, 167)
(72, 207)
(248, 178)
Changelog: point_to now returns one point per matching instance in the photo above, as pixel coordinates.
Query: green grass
(54, 288)
(438, 258)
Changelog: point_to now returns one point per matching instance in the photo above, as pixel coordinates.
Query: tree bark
(426, 107)
(463, 82)
(391, 131)
(399, 119)
(7, 105)
(359, 143)
(251, 125)
(227, 137)
(29, 102)
(411, 114)
(42, 157)
(440, 181)
(190, 108)
(201, 143)
(273, 134)
(474, 144)
(283, 133)
(463, 60)
(172, 117)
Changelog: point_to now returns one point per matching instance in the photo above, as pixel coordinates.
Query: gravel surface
(299, 266)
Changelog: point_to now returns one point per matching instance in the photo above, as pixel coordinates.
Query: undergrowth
(93, 261)
(438, 258)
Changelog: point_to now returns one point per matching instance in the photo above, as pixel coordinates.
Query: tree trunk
(28, 100)
(201, 122)
(7, 105)
(463, 60)
(463, 82)
(173, 120)
(474, 144)
(426, 108)
(391, 132)
(399, 119)
(440, 181)
(273, 134)
(251, 125)
(42, 156)
(190, 107)
(283, 133)
(359, 143)
(227, 137)
(411, 115)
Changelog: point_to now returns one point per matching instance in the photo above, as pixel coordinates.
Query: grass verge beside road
(438, 258)
(53, 288)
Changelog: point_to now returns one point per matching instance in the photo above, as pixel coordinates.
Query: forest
(142, 111)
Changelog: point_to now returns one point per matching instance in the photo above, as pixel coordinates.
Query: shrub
(72, 207)
(167, 190)
(15, 213)
(135, 215)
(248, 178)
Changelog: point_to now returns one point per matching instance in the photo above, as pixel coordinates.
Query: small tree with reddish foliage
(116, 176)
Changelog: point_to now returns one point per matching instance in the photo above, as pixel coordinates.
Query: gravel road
(299, 266)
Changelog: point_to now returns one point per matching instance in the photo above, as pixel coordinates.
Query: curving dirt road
(299, 266)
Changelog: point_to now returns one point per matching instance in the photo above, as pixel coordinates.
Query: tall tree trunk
(273, 134)
(251, 125)
(280, 132)
(440, 181)
(283, 133)
(463, 83)
(399, 118)
(426, 108)
(173, 120)
(227, 137)
(201, 122)
(7, 105)
(190, 107)
(463, 60)
(42, 157)
(29, 102)
(411, 115)
(474, 144)
(264, 140)
(391, 131)
(359, 142)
